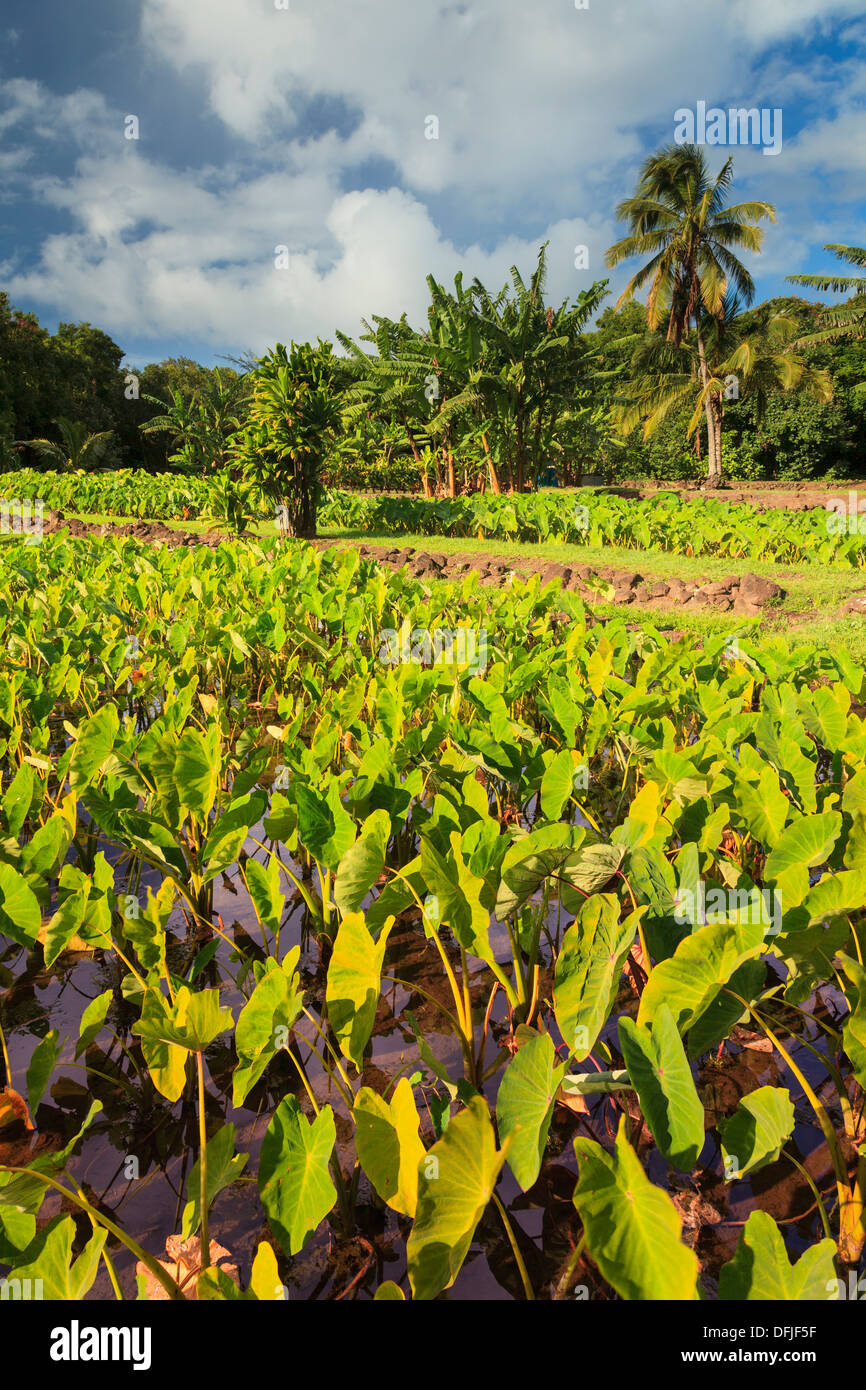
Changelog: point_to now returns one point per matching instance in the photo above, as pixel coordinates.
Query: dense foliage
(469, 929)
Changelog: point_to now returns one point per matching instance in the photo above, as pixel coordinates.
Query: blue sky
(306, 127)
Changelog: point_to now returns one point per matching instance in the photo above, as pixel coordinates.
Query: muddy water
(164, 1139)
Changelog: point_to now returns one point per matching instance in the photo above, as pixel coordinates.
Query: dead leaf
(13, 1107)
(184, 1266)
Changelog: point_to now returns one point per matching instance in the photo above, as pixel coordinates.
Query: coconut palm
(839, 322)
(758, 353)
(680, 219)
(79, 448)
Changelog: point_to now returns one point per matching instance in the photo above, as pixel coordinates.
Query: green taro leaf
(456, 1179)
(20, 917)
(193, 1023)
(224, 1166)
(632, 1227)
(754, 1135)
(557, 785)
(50, 1259)
(354, 984)
(807, 842)
(588, 971)
(761, 1271)
(658, 1069)
(92, 1020)
(95, 741)
(197, 769)
(532, 859)
(524, 1105)
(703, 963)
(294, 1182)
(389, 1146)
(275, 1003)
(42, 1064)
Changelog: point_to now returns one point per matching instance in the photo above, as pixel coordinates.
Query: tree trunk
(425, 481)
(495, 486)
(520, 454)
(452, 481)
(713, 470)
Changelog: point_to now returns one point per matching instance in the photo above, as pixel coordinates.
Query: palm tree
(843, 321)
(757, 350)
(680, 219)
(79, 447)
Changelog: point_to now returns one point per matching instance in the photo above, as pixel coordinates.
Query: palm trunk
(713, 470)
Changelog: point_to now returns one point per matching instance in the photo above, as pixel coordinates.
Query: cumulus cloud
(544, 114)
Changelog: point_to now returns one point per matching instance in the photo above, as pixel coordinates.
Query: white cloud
(544, 115)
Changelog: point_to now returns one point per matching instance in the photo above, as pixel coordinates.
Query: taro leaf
(49, 1259)
(166, 1062)
(761, 1272)
(224, 1166)
(94, 743)
(197, 770)
(595, 1083)
(588, 970)
(294, 1183)
(389, 1292)
(227, 836)
(701, 966)
(590, 870)
(389, 1146)
(18, 797)
(755, 1133)
(458, 893)
(532, 859)
(275, 1003)
(557, 784)
(809, 842)
(854, 1029)
(715, 1024)
(147, 932)
(20, 917)
(658, 1069)
(354, 984)
(362, 863)
(836, 895)
(42, 1064)
(524, 1105)
(763, 807)
(17, 1229)
(632, 1227)
(456, 1179)
(47, 849)
(92, 1020)
(193, 1023)
(263, 885)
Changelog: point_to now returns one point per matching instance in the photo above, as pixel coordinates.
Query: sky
(205, 178)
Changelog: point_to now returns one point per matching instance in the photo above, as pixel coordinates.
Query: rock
(659, 590)
(758, 590)
(745, 607)
(721, 586)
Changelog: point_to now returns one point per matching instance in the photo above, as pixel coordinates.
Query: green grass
(811, 589)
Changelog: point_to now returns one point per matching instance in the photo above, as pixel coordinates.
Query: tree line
(502, 390)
